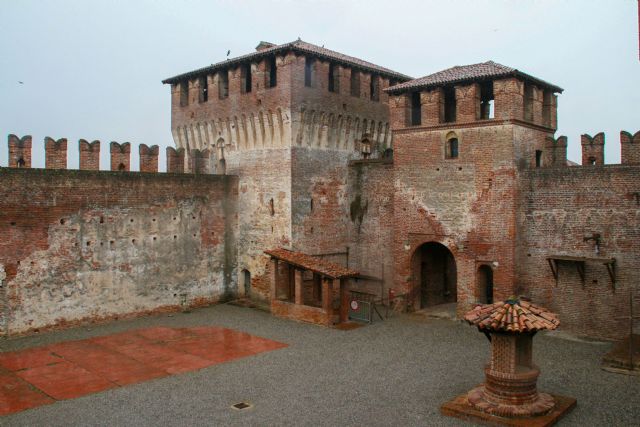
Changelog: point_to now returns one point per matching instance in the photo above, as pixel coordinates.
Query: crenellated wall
(81, 246)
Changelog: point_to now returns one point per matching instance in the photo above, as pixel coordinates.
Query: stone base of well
(460, 407)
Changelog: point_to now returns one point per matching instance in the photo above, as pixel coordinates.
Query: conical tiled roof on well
(467, 73)
(512, 316)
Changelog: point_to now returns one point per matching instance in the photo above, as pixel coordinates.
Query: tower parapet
(55, 153)
(592, 149)
(19, 151)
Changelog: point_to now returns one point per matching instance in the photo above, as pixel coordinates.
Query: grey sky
(92, 69)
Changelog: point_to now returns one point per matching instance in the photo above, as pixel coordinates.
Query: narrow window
(528, 102)
(272, 210)
(203, 90)
(486, 101)
(184, 94)
(449, 104)
(308, 71)
(355, 82)
(365, 147)
(592, 161)
(223, 84)
(332, 78)
(546, 107)
(273, 72)
(451, 148)
(374, 88)
(538, 158)
(245, 78)
(21, 163)
(416, 109)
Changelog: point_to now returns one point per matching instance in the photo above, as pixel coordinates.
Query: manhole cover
(241, 405)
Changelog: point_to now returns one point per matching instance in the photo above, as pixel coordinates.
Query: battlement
(556, 151)
(55, 153)
(19, 151)
(120, 156)
(630, 148)
(592, 149)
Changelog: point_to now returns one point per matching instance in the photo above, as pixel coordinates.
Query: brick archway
(434, 275)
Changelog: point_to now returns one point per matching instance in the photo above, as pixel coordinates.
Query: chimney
(264, 45)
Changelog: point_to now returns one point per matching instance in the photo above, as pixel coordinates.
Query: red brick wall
(558, 208)
(84, 245)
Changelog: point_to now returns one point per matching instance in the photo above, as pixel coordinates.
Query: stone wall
(86, 245)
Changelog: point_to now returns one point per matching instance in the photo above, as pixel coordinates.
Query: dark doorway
(246, 278)
(435, 274)
(485, 285)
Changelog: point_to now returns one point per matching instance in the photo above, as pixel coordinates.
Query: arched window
(451, 148)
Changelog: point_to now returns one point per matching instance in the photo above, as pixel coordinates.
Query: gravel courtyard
(395, 372)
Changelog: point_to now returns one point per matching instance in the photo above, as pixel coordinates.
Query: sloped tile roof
(309, 262)
(512, 316)
(467, 73)
(297, 46)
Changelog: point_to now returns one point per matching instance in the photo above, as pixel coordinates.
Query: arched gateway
(434, 275)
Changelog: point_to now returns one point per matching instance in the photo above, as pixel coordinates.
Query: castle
(447, 188)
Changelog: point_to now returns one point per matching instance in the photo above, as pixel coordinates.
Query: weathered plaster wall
(84, 245)
(558, 208)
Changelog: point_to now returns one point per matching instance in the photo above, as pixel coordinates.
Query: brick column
(508, 99)
(298, 287)
(467, 103)
(399, 110)
(432, 107)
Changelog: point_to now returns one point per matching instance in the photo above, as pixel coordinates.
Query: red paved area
(39, 376)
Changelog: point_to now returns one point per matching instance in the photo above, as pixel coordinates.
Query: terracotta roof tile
(309, 262)
(466, 73)
(512, 316)
(298, 46)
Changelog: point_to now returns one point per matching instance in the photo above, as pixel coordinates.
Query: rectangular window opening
(355, 82)
(546, 107)
(332, 78)
(203, 88)
(486, 101)
(528, 102)
(416, 109)
(272, 73)
(449, 105)
(245, 78)
(184, 94)
(308, 71)
(374, 88)
(223, 84)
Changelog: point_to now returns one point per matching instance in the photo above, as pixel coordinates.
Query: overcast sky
(93, 69)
